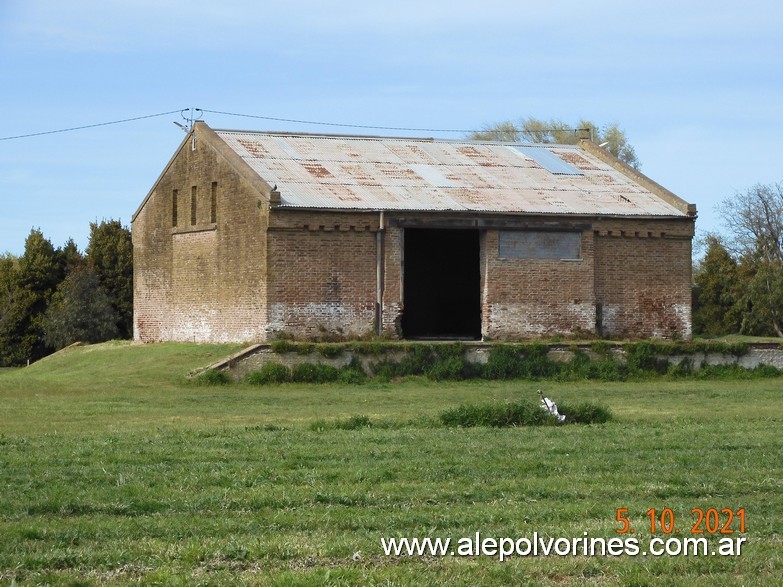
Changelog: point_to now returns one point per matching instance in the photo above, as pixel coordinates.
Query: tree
(28, 288)
(72, 257)
(717, 301)
(9, 266)
(763, 289)
(110, 256)
(534, 130)
(80, 310)
(618, 145)
(755, 222)
(9, 269)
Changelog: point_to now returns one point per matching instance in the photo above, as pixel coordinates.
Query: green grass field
(116, 470)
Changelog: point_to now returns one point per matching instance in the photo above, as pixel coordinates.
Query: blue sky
(698, 86)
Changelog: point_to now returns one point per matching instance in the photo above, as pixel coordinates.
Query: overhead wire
(373, 127)
(340, 124)
(274, 119)
(51, 132)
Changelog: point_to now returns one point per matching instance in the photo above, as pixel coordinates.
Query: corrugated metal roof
(371, 173)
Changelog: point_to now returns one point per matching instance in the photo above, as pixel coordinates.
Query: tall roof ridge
(392, 138)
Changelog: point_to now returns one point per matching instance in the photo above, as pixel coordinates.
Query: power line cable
(371, 127)
(345, 125)
(276, 119)
(51, 132)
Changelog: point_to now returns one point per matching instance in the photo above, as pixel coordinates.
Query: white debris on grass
(551, 407)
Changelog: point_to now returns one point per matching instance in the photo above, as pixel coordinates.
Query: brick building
(247, 235)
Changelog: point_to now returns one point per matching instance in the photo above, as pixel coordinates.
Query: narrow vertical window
(193, 194)
(174, 194)
(213, 216)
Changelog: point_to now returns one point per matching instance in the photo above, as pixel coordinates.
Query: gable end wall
(202, 281)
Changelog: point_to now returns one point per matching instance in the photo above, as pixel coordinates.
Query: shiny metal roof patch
(547, 159)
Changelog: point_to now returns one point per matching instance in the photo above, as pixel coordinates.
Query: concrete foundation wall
(254, 358)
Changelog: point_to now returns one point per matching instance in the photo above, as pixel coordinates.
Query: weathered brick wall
(643, 278)
(200, 281)
(322, 274)
(534, 297)
(151, 272)
(392, 294)
(323, 277)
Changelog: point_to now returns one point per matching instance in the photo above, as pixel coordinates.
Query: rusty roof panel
(372, 173)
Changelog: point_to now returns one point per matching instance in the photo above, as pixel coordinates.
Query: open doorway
(442, 284)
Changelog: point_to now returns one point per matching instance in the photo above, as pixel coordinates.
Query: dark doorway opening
(442, 284)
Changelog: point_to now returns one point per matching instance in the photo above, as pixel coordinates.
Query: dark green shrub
(737, 349)
(271, 373)
(416, 360)
(314, 373)
(352, 377)
(282, 346)
(373, 348)
(579, 367)
(601, 347)
(608, 369)
(330, 350)
(212, 377)
(435, 361)
(539, 366)
(585, 413)
(582, 367)
(467, 415)
(523, 413)
(719, 372)
(766, 371)
(503, 363)
(385, 370)
(642, 357)
(353, 373)
(450, 368)
(519, 413)
(304, 348)
(447, 362)
(449, 351)
(520, 362)
(681, 369)
(734, 371)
